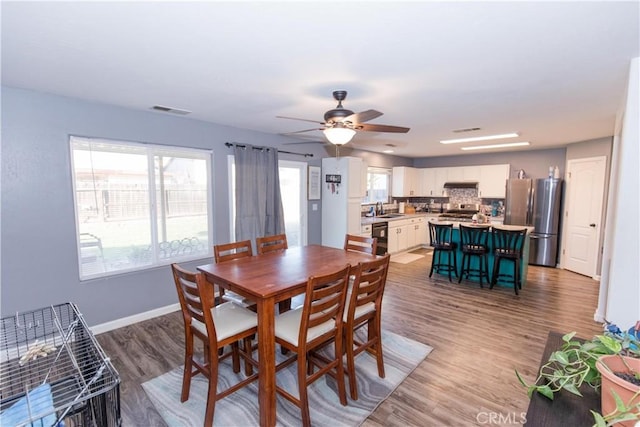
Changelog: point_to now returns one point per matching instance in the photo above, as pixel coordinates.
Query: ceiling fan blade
(300, 131)
(362, 116)
(382, 128)
(303, 120)
(304, 142)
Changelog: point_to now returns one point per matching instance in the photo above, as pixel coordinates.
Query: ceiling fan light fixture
(339, 135)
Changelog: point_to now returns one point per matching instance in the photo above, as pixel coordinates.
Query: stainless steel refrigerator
(536, 203)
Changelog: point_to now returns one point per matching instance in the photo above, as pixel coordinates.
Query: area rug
(405, 258)
(401, 356)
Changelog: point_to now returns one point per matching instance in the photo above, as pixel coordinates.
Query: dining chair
(274, 243)
(228, 252)
(216, 326)
(363, 306)
(271, 243)
(364, 244)
(308, 329)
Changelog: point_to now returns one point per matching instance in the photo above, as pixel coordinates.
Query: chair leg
(248, 367)
(339, 351)
(302, 389)
(211, 393)
(464, 257)
(516, 275)
(455, 263)
(433, 261)
(235, 357)
(378, 333)
(494, 275)
(186, 375)
(449, 264)
(351, 365)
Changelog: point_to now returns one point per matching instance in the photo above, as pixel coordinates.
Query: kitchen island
(505, 268)
(421, 239)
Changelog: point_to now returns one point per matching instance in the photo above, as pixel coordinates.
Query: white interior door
(293, 188)
(583, 214)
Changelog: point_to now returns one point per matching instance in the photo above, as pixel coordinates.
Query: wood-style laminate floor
(479, 336)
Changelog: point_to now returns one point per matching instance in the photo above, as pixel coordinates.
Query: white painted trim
(130, 320)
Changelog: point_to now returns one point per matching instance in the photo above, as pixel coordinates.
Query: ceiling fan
(340, 125)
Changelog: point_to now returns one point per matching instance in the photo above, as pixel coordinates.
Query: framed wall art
(313, 183)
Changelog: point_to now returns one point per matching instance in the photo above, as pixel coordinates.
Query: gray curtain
(258, 202)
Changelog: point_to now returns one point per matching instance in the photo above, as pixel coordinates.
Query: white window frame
(151, 150)
(378, 170)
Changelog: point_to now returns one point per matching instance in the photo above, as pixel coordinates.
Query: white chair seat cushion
(362, 310)
(287, 327)
(230, 319)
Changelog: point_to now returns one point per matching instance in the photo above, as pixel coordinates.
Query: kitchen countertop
(433, 216)
(376, 219)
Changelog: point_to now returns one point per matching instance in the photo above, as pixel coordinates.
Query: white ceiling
(554, 72)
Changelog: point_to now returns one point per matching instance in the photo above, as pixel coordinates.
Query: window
(378, 185)
(138, 205)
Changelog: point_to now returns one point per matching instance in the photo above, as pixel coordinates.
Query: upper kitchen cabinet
(406, 182)
(434, 179)
(463, 174)
(492, 183)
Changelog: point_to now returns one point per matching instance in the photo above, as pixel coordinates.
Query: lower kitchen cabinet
(407, 233)
(397, 237)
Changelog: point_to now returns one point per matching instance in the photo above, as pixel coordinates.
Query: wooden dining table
(268, 279)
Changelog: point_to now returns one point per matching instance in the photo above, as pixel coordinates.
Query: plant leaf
(600, 422)
(570, 387)
(546, 391)
(567, 337)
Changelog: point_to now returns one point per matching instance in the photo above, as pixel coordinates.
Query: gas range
(464, 213)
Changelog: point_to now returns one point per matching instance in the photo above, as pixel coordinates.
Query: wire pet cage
(53, 372)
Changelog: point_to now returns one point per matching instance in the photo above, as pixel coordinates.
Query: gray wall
(39, 255)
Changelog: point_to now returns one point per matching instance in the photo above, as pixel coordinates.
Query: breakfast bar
(505, 267)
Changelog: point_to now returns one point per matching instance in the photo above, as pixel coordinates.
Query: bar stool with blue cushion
(507, 246)
(474, 244)
(441, 235)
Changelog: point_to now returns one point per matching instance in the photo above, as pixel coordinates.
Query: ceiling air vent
(465, 130)
(170, 110)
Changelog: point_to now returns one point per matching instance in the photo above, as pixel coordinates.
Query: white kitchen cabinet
(471, 173)
(441, 176)
(341, 203)
(364, 185)
(454, 174)
(405, 182)
(397, 236)
(492, 183)
(406, 234)
(434, 179)
(366, 230)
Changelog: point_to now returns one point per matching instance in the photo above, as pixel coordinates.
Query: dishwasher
(379, 231)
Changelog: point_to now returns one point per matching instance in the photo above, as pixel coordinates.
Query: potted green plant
(576, 363)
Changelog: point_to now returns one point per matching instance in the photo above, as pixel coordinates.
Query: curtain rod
(229, 144)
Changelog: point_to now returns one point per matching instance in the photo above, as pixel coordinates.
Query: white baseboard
(130, 320)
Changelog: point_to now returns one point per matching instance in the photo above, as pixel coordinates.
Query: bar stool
(440, 235)
(508, 246)
(474, 244)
